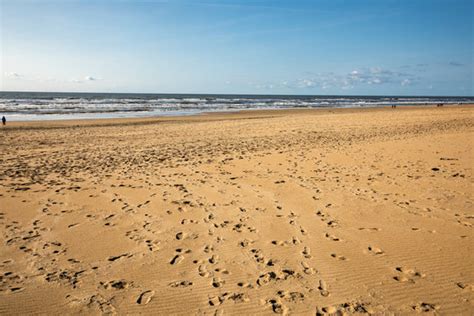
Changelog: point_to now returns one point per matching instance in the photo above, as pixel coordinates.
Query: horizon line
(247, 94)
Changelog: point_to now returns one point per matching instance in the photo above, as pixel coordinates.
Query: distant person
(4, 120)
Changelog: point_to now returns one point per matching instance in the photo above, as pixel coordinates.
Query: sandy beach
(258, 212)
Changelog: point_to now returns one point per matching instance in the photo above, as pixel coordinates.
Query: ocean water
(25, 106)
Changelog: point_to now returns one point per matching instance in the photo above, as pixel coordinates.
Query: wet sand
(257, 212)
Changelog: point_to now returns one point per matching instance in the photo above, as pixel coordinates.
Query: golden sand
(259, 212)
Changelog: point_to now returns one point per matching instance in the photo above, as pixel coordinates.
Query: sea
(27, 106)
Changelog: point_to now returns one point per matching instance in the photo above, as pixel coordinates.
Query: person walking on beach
(4, 120)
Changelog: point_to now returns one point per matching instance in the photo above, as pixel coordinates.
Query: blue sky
(378, 47)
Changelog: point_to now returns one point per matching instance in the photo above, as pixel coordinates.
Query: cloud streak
(357, 77)
(455, 64)
(13, 75)
(86, 79)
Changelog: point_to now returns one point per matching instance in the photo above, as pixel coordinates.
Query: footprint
(279, 243)
(375, 250)
(181, 283)
(152, 244)
(217, 300)
(323, 290)
(291, 296)
(268, 277)
(345, 308)
(307, 269)
(113, 258)
(407, 275)
(145, 297)
(244, 243)
(217, 282)
(465, 286)
(176, 259)
(238, 297)
(303, 231)
(213, 259)
(245, 285)
(286, 243)
(331, 237)
(425, 307)
(202, 270)
(276, 306)
(208, 248)
(375, 229)
(306, 252)
(105, 306)
(223, 271)
(116, 284)
(338, 256)
(296, 241)
(235, 297)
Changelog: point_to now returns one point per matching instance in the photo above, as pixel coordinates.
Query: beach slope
(259, 212)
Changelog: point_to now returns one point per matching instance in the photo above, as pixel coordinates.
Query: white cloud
(455, 64)
(405, 82)
(263, 86)
(13, 75)
(308, 83)
(362, 76)
(352, 79)
(86, 79)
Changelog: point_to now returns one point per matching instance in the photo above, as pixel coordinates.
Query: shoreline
(211, 116)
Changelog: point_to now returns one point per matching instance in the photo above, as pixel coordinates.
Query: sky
(333, 47)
